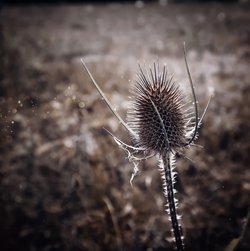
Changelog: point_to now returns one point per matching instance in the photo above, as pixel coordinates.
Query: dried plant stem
(168, 187)
(115, 223)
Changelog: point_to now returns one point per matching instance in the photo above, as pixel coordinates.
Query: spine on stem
(168, 178)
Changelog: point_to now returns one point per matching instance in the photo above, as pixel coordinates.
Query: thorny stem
(171, 200)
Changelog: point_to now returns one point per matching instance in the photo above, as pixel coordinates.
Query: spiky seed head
(156, 101)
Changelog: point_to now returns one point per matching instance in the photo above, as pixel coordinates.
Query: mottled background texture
(64, 183)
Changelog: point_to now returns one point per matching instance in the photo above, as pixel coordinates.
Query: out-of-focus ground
(64, 181)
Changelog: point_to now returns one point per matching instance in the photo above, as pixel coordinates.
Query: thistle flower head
(156, 113)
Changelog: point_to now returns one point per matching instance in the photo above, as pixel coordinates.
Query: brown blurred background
(64, 183)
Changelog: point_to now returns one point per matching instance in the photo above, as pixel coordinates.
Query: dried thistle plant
(159, 123)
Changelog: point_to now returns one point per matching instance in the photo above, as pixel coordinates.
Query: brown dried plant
(159, 123)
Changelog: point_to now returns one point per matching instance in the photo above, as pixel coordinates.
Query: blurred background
(64, 183)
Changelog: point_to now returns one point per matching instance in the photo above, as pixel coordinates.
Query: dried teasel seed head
(156, 111)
